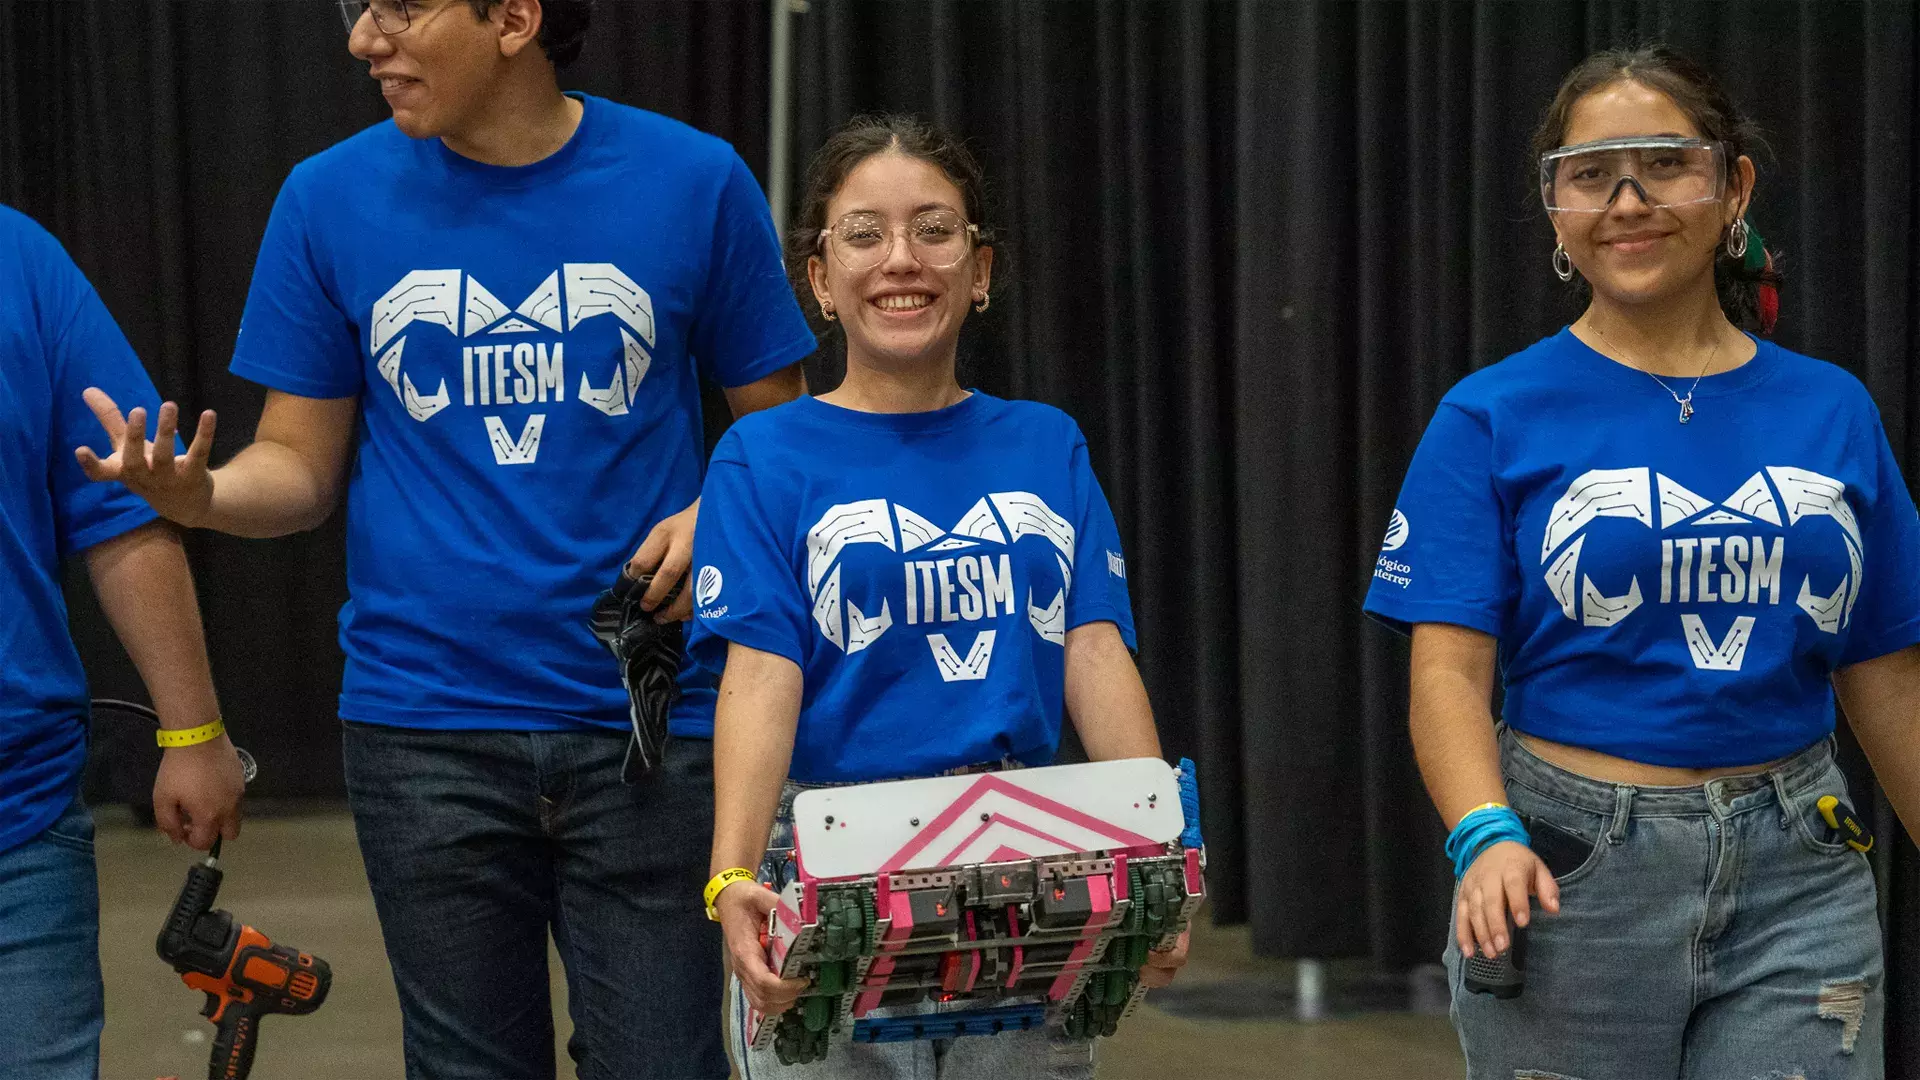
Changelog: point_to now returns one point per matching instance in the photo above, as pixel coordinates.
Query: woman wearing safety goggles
(1679, 540)
(1664, 172)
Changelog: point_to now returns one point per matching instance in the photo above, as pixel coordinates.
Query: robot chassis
(976, 904)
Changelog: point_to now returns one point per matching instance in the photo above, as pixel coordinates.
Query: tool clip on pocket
(1844, 825)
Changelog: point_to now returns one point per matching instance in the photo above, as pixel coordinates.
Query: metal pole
(1310, 1000)
(780, 114)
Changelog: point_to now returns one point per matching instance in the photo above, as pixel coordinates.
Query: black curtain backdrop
(152, 138)
(1248, 245)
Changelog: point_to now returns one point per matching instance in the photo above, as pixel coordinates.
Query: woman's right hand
(1499, 882)
(743, 908)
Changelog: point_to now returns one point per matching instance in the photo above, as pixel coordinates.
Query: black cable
(133, 707)
(248, 766)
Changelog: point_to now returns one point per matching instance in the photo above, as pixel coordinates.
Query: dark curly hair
(859, 139)
(1698, 94)
(563, 26)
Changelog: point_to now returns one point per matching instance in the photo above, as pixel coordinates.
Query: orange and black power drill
(243, 973)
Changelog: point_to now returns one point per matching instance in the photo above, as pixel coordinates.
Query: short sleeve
(746, 587)
(1099, 588)
(294, 337)
(87, 349)
(1447, 556)
(748, 325)
(1886, 618)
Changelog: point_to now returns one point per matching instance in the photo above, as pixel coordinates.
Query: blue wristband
(1479, 831)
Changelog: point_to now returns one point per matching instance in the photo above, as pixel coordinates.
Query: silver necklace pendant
(1686, 403)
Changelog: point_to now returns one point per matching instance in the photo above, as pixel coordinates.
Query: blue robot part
(950, 1025)
(1190, 804)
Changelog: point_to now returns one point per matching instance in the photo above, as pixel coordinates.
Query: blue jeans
(1705, 933)
(479, 842)
(51, 1001)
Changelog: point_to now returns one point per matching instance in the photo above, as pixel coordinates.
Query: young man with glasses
(56, 341)
(496, 310)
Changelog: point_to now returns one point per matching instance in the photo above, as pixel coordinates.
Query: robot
(972, 905)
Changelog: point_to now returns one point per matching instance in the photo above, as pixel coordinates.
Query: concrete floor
(154, 1030)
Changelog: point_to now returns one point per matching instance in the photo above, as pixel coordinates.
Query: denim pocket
(690, 756)
(1565, 852)
(1568, 839)
(74, 829)
(1805, 812)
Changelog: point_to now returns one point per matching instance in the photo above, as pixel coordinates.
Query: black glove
(649, 656)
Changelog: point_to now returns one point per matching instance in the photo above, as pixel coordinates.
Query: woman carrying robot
(901, 577)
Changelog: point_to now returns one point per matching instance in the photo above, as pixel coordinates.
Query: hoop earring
(1562, 262)
(984, 301)
(1737, 239)
(826, 312)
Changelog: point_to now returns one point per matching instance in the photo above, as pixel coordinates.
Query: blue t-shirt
(56, 339)
(922, 569)
(526, 344)
(1675, 594)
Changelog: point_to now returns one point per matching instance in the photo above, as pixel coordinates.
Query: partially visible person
(901, 577)
(56, 341)
(486, 322)
(1672, 540)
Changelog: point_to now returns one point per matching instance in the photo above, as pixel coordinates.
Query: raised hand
(179, 488)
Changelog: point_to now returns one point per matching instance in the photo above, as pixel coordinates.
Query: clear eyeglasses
(389, 16)
(937, 239)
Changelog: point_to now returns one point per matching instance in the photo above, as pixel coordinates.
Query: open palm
(179, 487)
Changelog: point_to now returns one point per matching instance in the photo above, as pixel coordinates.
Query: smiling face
(900, 311)
(439, 72)
(1632, 253)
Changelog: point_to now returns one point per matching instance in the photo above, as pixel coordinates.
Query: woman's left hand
(1161, 967)
(743, 908)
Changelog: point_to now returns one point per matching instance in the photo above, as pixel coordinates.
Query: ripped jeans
(1711, 933)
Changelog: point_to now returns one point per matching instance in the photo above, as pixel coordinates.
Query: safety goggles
(1665, 171)
(937, 239)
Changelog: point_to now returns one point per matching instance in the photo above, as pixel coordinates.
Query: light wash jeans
(1013, 1055)
(1709, 933)
(52, 1005)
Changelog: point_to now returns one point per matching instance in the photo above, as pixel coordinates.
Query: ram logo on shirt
(1697, 570)
(957, 577)
(499, 367)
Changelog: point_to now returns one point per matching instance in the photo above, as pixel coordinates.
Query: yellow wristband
(1481, 808)
(191, 736)
(720, 881)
